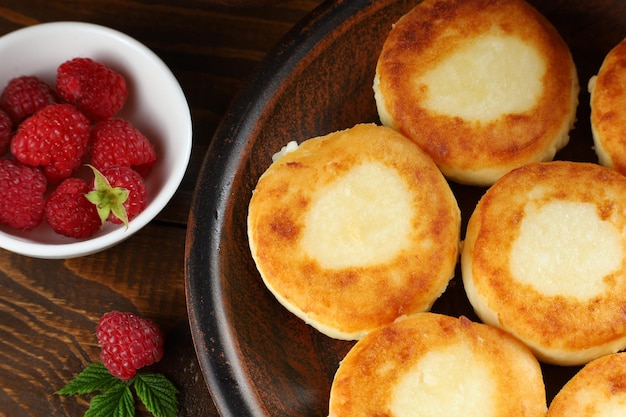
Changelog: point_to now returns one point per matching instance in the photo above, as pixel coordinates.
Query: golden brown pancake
(608, 101)
(544, 258)
(483, 86)
(597, 390)
(353, 229)
(434, 365)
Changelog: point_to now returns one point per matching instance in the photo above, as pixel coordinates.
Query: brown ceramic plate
(257, 358)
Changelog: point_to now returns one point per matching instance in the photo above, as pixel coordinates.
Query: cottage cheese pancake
(608, 101)
(433, 365)
(544, 258)
(597, 390)
(353, 229)
(483, 86)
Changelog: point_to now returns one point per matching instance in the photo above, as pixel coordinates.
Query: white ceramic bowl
(156, 106)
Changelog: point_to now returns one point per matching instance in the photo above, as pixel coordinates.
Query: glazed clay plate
(258, 359)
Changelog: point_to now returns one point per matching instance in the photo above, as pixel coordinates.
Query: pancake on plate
(544, 257)
(438, 366)
(608, 101)
(353, 229)
(483, 86)
(597, 390)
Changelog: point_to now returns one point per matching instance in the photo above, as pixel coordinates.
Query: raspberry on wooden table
(22, 190)
(68, 211)
(96, 89)
(117, 142)
(25, 95)
(129, 343)
(54, 138)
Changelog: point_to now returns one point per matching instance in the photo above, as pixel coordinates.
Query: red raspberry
(97, 90)
(54, 138)
(22, 190)
(24, 96)
(69, 212)
(6, 132)
(118, 142)
(129, 343)
(129, 179)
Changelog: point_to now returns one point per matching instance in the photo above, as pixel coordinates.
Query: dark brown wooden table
(49, 308)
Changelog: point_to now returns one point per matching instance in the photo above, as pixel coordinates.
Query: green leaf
(116, 402)
(94, 377)
(108, 199)
(157, 393)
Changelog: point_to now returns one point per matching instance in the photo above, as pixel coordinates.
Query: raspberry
(69, 212)
(128, 343)
(129, 179)
(118, 142)
(6, 130)
(22, 190)
(25, 95)
(97, 90)
(54, 138)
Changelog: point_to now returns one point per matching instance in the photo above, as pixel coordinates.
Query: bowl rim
(74, 248)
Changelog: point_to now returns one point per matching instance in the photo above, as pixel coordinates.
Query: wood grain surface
(49, 308)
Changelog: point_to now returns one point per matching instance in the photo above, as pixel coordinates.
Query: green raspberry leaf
(94, 377)
(157, 393)
(116, 402)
